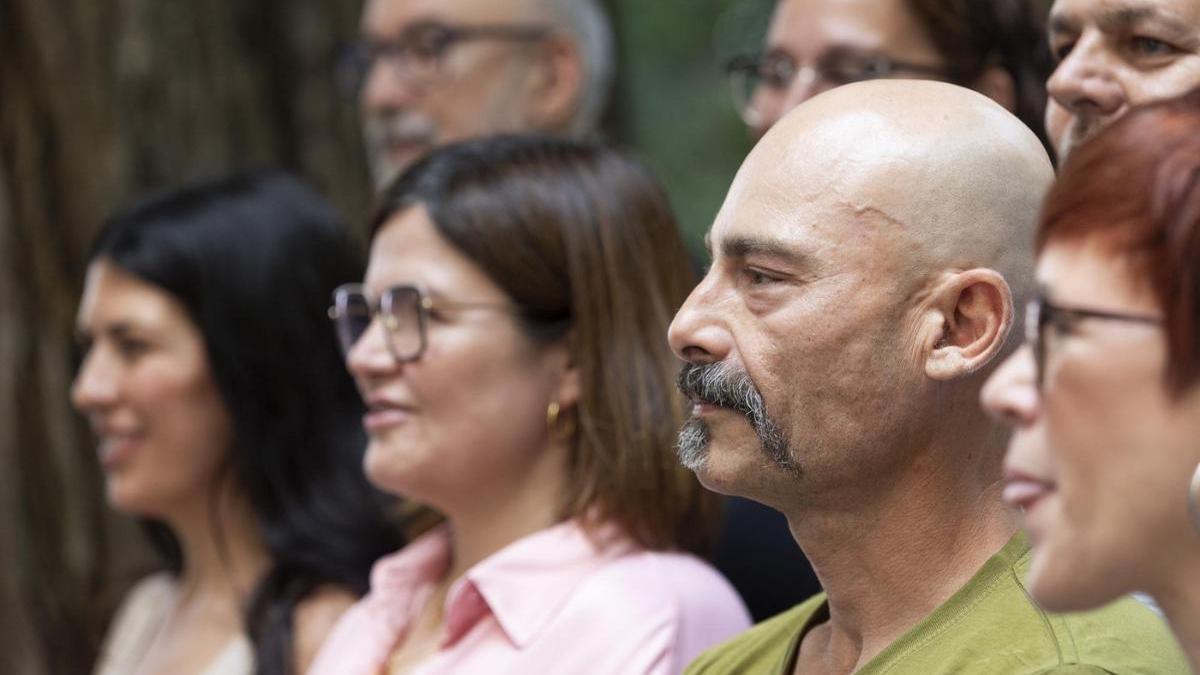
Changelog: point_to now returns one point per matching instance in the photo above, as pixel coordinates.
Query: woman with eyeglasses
(1104, 461)
(509, 340)
(227, 424)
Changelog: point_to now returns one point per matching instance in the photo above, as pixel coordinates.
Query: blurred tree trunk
(101, 100)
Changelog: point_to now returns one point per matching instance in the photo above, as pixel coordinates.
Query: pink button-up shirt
(550, 603)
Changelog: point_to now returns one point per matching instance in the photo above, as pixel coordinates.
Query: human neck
(1179, 599)
(224, 555)
(890, 557)
(485, 523)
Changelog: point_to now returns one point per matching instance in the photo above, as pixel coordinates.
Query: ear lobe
(976, 310)
(557, 85)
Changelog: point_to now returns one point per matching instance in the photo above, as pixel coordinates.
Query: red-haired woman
(1105, 399)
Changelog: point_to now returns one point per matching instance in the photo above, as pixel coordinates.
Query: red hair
(1137, 185)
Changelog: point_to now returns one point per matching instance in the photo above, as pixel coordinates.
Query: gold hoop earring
(1194, 499)
(552, 411)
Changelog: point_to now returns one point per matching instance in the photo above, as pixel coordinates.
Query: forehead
(1088, 271)
(385, 18)
(409, 250)
(1119, 14)
(866, 24)
(112, 295)
(819, 215)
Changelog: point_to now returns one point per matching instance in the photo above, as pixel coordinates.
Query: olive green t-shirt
(990, 626)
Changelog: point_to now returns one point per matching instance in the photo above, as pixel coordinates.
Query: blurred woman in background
(1105, 399)
(226, 421)
(509, 340)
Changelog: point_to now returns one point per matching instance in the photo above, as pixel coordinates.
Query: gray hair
(587, 22)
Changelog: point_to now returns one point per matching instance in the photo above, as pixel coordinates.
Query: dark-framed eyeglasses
(1041, 314)
(758, 81)
(404, 312)
(417, 54)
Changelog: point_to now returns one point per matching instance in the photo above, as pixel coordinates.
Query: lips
(383, 414)
(115, 448)
(1024, 490)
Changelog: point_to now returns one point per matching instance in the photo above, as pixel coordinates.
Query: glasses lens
(1035, 334)
(352, 318)
(401, 313)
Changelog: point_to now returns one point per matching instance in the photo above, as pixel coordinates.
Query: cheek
(1172, 82)
(188, 431)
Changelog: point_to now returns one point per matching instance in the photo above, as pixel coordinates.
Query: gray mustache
(720, 385)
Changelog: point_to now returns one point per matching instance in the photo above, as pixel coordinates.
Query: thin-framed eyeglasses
(403, 311)
(1041, 314)
(418, 53)
(760, 81)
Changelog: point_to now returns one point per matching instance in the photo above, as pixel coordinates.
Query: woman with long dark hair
(510, 342)
(226, 422)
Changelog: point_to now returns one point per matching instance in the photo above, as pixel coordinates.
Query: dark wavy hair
(1135, 188)
(254, 257)
(973, 35)
(584, 241)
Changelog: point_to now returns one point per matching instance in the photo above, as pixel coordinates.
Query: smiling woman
(509, 341)
(225, 422)
(1105, 401)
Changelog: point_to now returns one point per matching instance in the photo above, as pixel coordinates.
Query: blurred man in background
(1113, 54)
(428, 72)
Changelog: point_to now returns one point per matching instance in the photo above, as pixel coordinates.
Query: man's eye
(757, 277)
(1150, 47)
(1062, 50)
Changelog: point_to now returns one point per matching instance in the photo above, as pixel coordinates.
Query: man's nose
(1011, 393)
(1086, 82)
(697, 334)
(806, 83)
(385, 87)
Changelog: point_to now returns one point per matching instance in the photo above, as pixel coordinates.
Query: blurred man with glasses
(427, 72)
(1114, 54)
(996, 47)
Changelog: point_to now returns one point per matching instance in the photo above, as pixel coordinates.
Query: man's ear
(969, 318)
(556, 84)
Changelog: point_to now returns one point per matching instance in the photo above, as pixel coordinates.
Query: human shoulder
(667, 585)
(136, 621)
(765, 648)
(315, 617)
(1124, 636)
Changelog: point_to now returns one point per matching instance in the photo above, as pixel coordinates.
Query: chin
(125, 496)
(1061, 582)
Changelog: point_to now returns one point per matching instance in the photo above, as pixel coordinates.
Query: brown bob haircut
(1136, 185)
(583, 240)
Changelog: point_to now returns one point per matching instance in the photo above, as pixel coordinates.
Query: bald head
(863, 276)
(958, 176)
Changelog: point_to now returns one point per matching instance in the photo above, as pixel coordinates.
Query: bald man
(428, 72)
(865, 268)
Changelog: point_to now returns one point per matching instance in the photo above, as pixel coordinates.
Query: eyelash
(757, 277)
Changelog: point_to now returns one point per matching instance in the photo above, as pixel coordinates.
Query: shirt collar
(527, 582)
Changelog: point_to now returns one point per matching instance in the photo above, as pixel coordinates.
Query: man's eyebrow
(1121, 19)
(708, 244)
(743, 247)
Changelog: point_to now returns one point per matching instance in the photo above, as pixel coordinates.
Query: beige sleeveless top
(140, 618)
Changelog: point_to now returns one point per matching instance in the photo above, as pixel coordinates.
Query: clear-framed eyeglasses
(760, 82)
(1046, 322)
(418, 53)
(403, 311)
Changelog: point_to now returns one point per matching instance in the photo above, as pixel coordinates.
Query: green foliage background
(672, 103)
